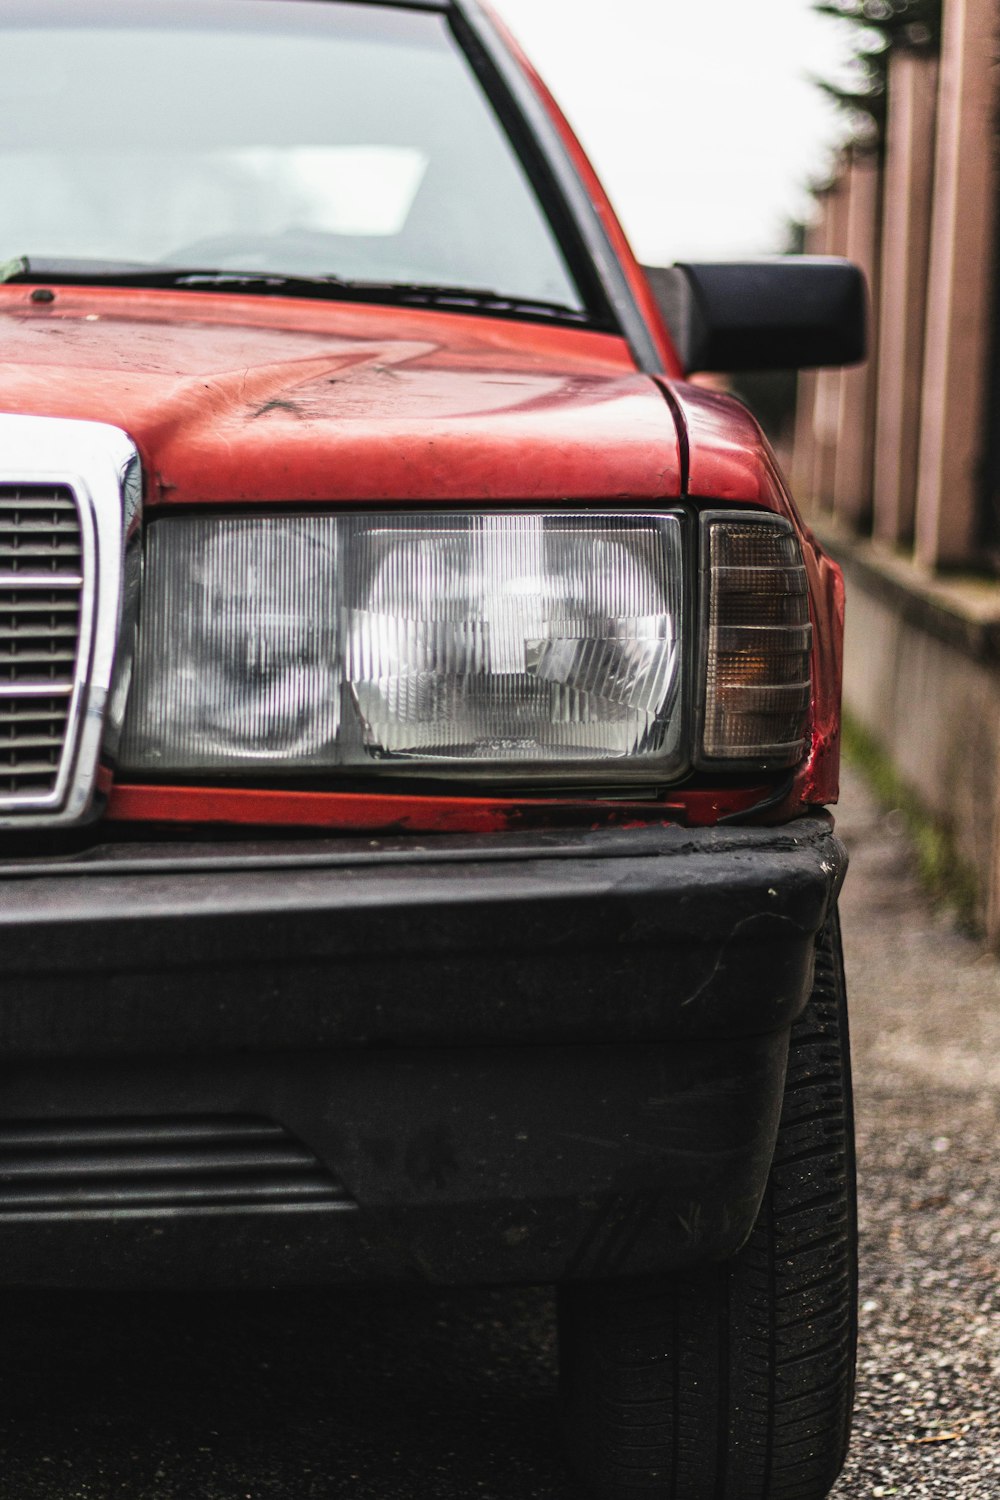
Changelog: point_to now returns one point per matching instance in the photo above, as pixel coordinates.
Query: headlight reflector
(487, 644)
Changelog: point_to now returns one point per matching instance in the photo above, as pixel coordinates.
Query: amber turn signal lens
(757, 642)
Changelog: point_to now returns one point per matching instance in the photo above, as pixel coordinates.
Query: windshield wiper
(32, 270)
(420, 294)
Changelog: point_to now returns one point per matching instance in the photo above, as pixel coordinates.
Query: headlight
(479, 645)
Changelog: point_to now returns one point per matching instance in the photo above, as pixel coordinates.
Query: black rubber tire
(737, 1382)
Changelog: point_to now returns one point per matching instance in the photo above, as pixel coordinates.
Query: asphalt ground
(430, 1396)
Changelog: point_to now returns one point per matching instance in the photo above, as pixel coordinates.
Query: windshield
(287, 136)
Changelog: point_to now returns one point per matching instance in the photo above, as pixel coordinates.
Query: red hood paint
(727, 456)
(244, 399)
(241, 399)
(728, 460)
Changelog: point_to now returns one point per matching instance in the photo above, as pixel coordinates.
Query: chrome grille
(41, 582)
(70, 533)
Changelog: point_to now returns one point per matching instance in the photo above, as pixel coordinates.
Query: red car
(418, 707)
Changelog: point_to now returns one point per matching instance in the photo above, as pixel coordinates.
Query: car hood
(247, 399)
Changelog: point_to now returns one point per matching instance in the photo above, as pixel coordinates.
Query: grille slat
(31, 500)
(62, 1135)
(19, 581)
(22, 766)
(40, 602)
(33, 629)
(27, 606)
(12, 656)
(169, 1194)
(28, 690)
(54, 549)
(203, 1161)
(146, 1165)
(48, 528)
(30, 741)
(32, 656)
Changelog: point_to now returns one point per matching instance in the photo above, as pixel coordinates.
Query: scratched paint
(247, 400)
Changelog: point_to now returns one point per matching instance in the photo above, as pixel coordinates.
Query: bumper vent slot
(41, 583)
(211, 1164)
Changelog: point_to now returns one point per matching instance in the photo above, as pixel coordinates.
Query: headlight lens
(481, 644)
(758, 640)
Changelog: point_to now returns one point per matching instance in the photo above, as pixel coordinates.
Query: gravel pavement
(925, 1004)
(451, 1397)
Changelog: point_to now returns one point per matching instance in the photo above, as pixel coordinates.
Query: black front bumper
(472, 1059)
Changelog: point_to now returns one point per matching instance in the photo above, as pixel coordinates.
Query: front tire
(736, 1382)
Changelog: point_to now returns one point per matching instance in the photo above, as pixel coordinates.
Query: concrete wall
(922, 675)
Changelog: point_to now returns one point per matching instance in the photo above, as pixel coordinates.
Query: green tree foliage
(880, 28)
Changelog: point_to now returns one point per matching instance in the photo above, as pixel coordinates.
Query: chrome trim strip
(100, 465)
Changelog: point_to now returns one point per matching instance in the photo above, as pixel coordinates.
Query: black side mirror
(788, 313)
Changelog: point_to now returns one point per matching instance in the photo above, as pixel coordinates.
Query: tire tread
(738, 1379)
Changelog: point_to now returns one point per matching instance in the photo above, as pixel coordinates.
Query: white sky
(699, 115)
